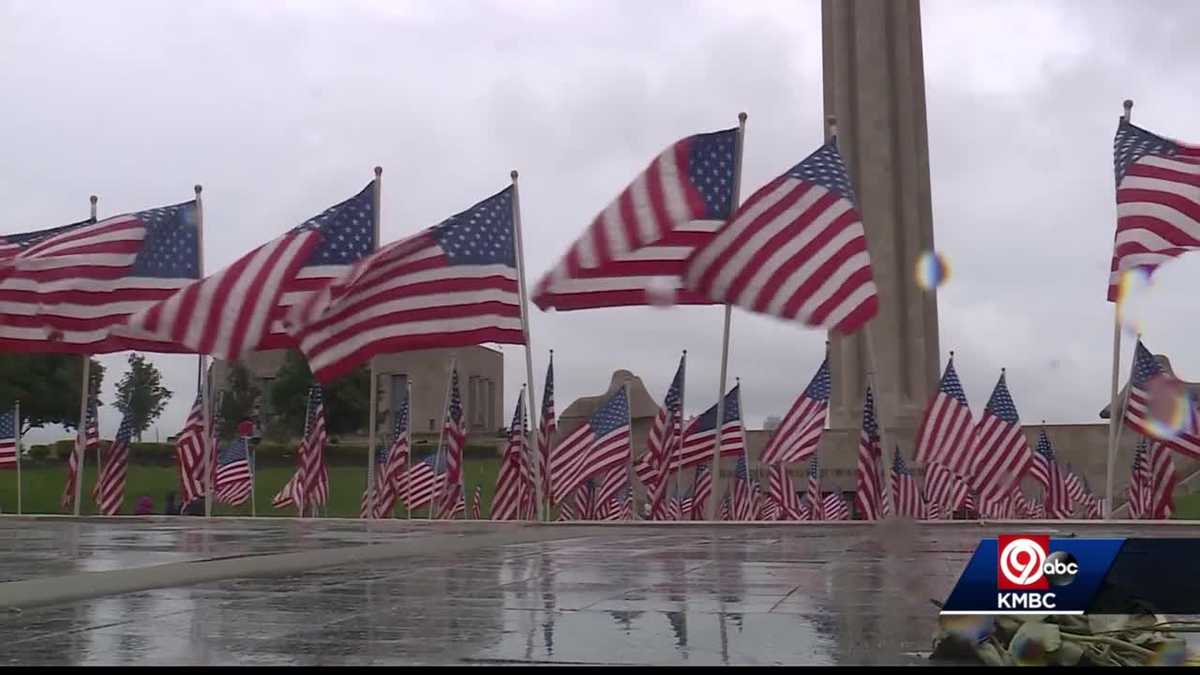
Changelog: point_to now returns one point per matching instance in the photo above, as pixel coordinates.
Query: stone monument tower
(875, 88)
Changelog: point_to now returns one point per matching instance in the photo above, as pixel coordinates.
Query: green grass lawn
(1187, 507)
(42, 488)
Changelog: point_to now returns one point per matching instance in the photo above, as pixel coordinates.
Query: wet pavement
(634, 594)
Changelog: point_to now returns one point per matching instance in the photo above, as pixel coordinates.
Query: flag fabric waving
(8, 439)
(64, 289)
(1158, 201)
(189, 454)
(833, 507)
(944, 488)
(868, 493)
(1158, 406)
(945, 435)
(782, 492)
(309, 485)
(547, 428)
(699, 434)
(510, 484)
(795, 249)
(742, 491)
(1039, 468)
(1138, 491)
(454, 433)
(421, 480)
(815, 501)
(641, 241)
(800, 431)
(906, 494)
(611, 487)
(663, 440)
(1161, 481)
(110, 484)
(477, 504)
(1002, 454)
(601, 444)
(379, 479)
(701, 492)
(1057, 501)
(397, 463)
(91, 441)
(233, 479)
(451, 285)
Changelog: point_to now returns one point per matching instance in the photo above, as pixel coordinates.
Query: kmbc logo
(1026, 564)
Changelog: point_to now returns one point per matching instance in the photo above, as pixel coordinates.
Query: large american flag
(309, 485)
(944, 488)
(451, 285)
(1154, 400)
(945, 435)
(782, 492)
(699, 435)
(601, 444)
(906, 494)
(232, 484)
(868, 493)
(242, 307)
(510, 483)
(635, 251)
(795, 249)
(813, 495)
(663, 440)
(1002, 454)
(64, 289)
(1158, 201)
(189, 454)
(800, 431)
(454, 433)
(743, 493)
(110, 485)
(8, 439)
(701, 492)
(547, 428)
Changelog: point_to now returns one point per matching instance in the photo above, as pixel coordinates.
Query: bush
(39, 453)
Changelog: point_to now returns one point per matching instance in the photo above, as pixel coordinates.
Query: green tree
(239, 399)
(47, 385)
(346, 403)
(140, 394)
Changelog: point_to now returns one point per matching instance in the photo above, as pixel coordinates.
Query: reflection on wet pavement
(622, 595)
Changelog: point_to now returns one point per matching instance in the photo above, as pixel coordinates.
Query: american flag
(933, 511)
(944, 488)
(1075, 488)
(1095, 508)
(477, 504)
(868, 492)
(782, 492)
(906, 494)
(451, 285)
(800, 431)
(599, 445)
(1057, 500)
(1154, 397)
(397, 463)
(1158, 201)
(1002, 454)
(769, 508)
(833, 507)
(1138, 483)
(189, 454)
(1161, 481)
(663, 440)
(725, 509)
(380, 478)
(547, 428)
(701, 492)
(110, 485)
(91, 441)
(699, 434)
(814, 490)
(642, 240)
(945, 435)
(8, 439)
(805, 510)
(1039, 468)
(233, 480)
(612, 485)
(510, 483)
(566, 511)
(63, 289)
(585, 507)
(796, 249)
(421, 479)
(309, 485)
(679, 506)
(743, 498)
(454, 432)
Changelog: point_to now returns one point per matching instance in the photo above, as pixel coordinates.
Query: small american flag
(380, 478)
(599, 445)
(1002, 454)
(397, 463)
(906, 495)
(1095, 508)
(309, 485)
(1154, 395)
(189, 454)
(64, 289)
(769, 507)
(1158, 201)
(663, 441)
(421, 479)
(868, 493)
(1039, 468)
(510, 481)
(795, 249)
(547, 428)
(814, 490)
(1057, 502)
(743, 503)
(612, 486)
(452, 285)
(1075, 488)
(643, 238)
(8, 439)
(782, 492)
(699, 434)
(454, 432)
(233, 480)
(944, 488)
(833, 507)
(800, 432)
(945, 435)
(1137, 490)
(110, 485)
(701, 492)
(1161, 481)
(91, 441)
(725, 509)
(477, 504)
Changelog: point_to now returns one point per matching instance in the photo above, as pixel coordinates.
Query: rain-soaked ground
(634, 594)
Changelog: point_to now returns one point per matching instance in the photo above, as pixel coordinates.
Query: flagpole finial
(742, 117)
(685, 352)
(513, 174)
(831, 125)
(93, 199)
(951, 354)
(378, 171)
(198, 188)
(1128, 105)
(1001, 370)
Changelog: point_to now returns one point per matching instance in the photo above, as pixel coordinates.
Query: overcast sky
(281, 109)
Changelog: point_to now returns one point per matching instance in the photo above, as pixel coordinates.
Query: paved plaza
(166, 591)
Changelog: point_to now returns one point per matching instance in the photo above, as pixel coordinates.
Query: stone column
(875, 87)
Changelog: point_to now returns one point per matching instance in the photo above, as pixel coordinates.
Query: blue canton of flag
(400, 425)
(1001, 404)
(12, 244)
(1145, 367)
(347, 230)
(234, 452)
(8, 439)
(1043, 446)
(818, 388)
(710, 170)
(732, 412)
(739, 469)
(825, 168)
(1132, 143)
(814, 467)
(171, 247)
(898, 465)
(870, 422)
(124, 431)
(481, 235)
(611, 416)
(672, 401)
(951, 386)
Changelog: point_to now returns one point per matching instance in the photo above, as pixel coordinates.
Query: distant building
(772, 423)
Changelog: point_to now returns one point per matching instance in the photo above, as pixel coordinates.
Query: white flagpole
(532, 399)
(373, 403)
(745, 445)
(202, 377)
(437, 482)
(629, 472)
(678, 437)
(17, 440)
(1114, 422)
(92, 200)
(81, 437)
(716, 460)
(408, 432)
(253, 457)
